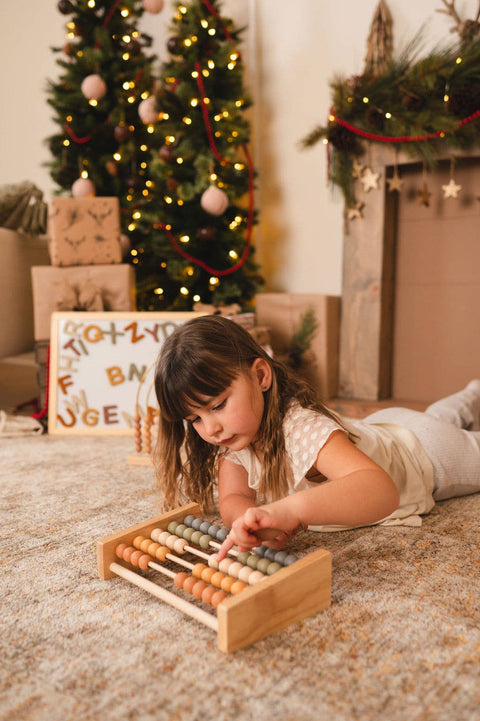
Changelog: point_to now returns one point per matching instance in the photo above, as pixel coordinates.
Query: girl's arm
(234, 493)
(357, 493)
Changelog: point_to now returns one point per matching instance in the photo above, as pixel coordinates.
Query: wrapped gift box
(84, 231)
(87, 287)
(282, 314)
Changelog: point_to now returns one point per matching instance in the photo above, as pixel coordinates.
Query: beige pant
(449, 431)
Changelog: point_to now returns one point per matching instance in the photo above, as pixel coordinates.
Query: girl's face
(233, 418)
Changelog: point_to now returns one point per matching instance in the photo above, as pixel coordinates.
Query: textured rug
(400, 641)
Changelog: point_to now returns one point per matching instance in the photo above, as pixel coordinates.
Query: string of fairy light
(198, 101)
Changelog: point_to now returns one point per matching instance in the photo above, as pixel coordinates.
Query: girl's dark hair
(202, 358)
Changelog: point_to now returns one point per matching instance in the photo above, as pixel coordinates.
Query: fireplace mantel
(366, 333)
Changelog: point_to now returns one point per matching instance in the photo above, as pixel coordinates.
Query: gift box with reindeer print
(84, 231)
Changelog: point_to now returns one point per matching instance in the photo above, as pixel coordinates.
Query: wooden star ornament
(424, 196)
(395, 182)
(356, 211)
(451, 190)
(358, 168)
(369, 180)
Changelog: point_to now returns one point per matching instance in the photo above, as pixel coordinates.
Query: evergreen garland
(420, 106)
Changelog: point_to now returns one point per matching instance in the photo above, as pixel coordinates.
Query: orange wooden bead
(218, 597)
(137, 541)
(189, 584)
(180, 579)
(217, 578)
(237, 587)
(143, 562)
(152, 548)
(198, 589)
(161, 553)
(127, 553)
(227, 584)
(120, 550)
(207, 594)
(207, 574)
(145, 544)
(198, 569)
(135, 557)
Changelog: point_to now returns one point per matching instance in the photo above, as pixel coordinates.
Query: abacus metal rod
(188, 608)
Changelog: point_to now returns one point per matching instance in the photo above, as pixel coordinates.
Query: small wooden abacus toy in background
(145, 421)
(252, 594)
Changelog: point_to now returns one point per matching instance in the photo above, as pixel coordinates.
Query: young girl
(230, 414)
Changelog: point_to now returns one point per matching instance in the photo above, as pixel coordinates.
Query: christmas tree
(103, 145)
(192, 233)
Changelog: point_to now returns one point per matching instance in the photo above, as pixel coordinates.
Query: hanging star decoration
(395, 182)
(451, 190)
(369, 180)
(424, 195)
(358, 168)
(356, 211)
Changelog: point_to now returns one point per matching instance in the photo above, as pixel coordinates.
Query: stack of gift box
(86, 271)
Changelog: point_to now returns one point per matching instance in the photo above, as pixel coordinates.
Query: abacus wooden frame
(291, 594)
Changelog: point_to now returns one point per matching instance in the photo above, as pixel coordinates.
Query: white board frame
(97, 361)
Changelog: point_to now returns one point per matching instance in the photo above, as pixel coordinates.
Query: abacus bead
(280, 557)
(225, 564)
(189, 583)
(155, 534)
(208, 593)
(235, 568)
(152, 548)
(218, 597)
(263, 564)
(207, 574)
(162, 537)
(198, 569)
(119, 550)
(179, 546)
(135, 557)
(237, 587)
(227, 584)
(204, 526)
(188, 520)
(260, 550)
(273, 568)
(161, 553)
(181, 527)
(170, 541)
(243, 557)
(137, 541)
(217, 579)
(127, 553)
(143, 562)
(253, 560)
(172, 526)
(196, 537)
(198, 589)
(213, 561)
(256, 577)
(245, 573)
(289, 560)
(180, 579)
(221, 534)
(187, 534)
(205, 542)
(213, 529)
(145, 544)
(197, 523)
(270, 554)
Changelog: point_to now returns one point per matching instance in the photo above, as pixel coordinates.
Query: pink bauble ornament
(148, 110)
(153, 6)
(214, 200)
(83, 188)
(93, 87)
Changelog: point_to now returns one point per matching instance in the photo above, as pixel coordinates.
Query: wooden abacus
(255, 608)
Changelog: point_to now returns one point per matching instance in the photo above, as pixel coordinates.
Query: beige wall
(293, 50)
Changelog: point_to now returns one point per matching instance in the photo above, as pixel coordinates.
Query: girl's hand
(259, 524)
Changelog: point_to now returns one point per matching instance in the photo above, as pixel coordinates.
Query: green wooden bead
(172, 526)
(243, 557)
(253, 560)
(205, 541)
(273, 568)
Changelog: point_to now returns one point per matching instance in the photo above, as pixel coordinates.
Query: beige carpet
(400, 642)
